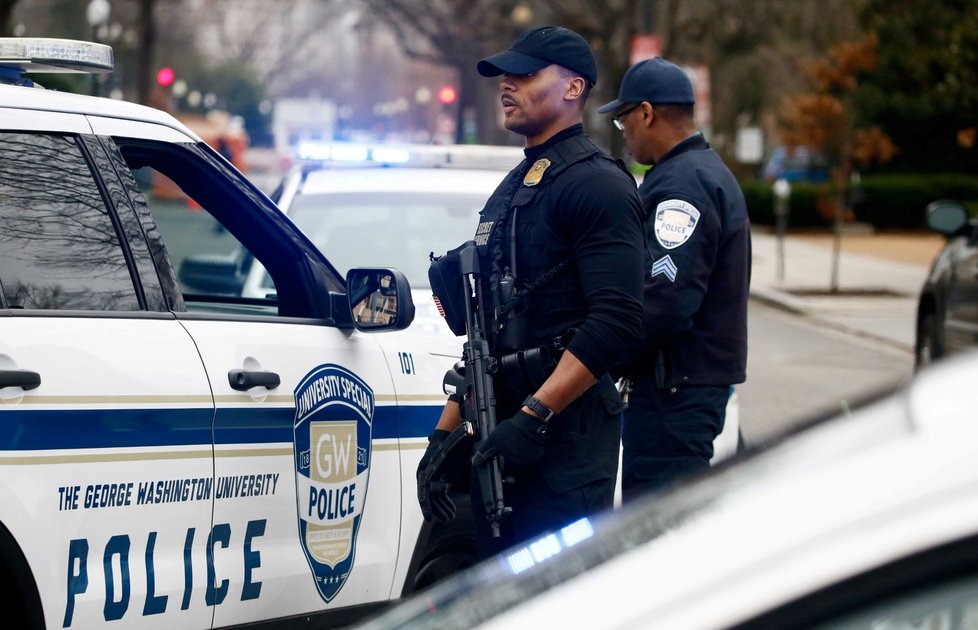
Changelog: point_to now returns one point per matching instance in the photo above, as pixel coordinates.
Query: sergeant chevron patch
(664, 266)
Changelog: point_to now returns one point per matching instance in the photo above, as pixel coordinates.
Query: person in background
(697, 277)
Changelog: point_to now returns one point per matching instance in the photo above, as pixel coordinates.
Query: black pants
(575, 478)
(668, 434)
(537, 510)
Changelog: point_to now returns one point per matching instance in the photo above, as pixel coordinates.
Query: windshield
(388, 229)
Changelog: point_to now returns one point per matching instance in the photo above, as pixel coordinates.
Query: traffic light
(165, 76)
(447, 95)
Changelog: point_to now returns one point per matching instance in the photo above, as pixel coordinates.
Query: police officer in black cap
(696, 282)
(563, 232)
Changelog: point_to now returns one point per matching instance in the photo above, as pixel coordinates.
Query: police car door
(105, 410)
(306, 500)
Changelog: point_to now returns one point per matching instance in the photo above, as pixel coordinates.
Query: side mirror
(379, 299)
(946, 216)
(214, 274)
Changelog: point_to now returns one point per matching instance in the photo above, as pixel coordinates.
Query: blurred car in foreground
(947, 311)
(865, 521)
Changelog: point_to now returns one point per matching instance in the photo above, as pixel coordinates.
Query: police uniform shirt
(589, 213)
(570, 202)
(698, 268)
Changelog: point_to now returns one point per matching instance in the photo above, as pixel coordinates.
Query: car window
(191, 235)
(389, 229)
(59, 244)
(949, 606)
(184, 199)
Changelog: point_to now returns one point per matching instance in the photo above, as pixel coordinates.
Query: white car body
(866, 521)
(143, 486)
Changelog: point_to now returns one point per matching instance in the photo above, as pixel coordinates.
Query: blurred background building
(404, 70)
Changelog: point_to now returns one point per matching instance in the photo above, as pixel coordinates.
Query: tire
(23, 610)
(442, 563)
(928, 348)
(443, 549)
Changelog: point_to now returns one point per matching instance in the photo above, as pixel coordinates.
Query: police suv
(172, 452)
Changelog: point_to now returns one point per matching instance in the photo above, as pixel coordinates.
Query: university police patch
(334, 411)
(675, 221)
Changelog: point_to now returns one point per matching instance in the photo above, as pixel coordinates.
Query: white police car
(867, 521)
(405, 201)
(171, 453)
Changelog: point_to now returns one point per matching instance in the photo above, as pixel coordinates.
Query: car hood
(824, 504)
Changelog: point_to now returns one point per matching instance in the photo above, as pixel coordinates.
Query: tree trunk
(144, 64)
(7, 17)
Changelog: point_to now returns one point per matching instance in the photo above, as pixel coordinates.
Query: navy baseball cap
(654, 80)
(540, 47)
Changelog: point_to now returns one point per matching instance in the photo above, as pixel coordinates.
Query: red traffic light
(447, 95)
(165, 76)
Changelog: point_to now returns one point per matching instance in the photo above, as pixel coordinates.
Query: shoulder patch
(535, 174)
(675, 221)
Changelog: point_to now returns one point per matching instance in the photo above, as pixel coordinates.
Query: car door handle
(24, 379)
(243, 380)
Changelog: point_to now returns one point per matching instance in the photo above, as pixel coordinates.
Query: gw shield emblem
(334, 412)
(675, 221)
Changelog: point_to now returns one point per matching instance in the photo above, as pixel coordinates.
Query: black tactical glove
(435, 502)
(433, 493)
(519, 441)
(434, 441)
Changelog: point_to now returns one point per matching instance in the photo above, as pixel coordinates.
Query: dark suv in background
(947, 314)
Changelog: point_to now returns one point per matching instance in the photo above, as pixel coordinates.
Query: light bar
(390, 155)
(541, 549)
(348, 153)
(42, 54)
(462, 156)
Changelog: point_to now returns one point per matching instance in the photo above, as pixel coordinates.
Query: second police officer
(565, 224)
(696, 282)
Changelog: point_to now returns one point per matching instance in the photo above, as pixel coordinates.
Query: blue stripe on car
(42, 429)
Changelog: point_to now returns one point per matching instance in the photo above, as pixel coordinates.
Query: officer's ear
(647, 112)
(576, 86)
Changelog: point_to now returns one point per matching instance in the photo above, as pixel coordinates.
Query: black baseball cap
(655, 80)
(540, 47)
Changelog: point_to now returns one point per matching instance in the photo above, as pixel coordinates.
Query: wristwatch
(545, 412)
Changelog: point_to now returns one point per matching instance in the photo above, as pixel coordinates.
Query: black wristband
(537, 407)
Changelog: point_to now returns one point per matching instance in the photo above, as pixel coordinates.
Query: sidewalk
(877, 297)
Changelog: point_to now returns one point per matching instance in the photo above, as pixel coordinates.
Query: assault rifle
(471, 381)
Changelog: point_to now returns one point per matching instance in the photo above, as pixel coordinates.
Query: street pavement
(877, 298)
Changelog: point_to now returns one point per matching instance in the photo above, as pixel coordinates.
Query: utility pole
(144, 63)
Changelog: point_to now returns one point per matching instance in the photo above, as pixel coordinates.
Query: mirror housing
(946, 216)
(379, 299)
